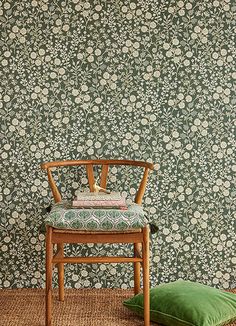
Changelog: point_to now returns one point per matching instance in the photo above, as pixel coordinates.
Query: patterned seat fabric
(64, 216)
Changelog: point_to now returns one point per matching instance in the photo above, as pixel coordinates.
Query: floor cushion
(185, 303)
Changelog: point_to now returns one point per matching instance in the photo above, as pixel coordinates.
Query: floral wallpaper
(150, 80)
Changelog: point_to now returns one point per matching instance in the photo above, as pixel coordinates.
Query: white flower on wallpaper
(148, 80)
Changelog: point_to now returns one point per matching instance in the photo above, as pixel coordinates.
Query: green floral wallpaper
(141, 79)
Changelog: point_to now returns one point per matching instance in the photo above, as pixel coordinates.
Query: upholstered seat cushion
(64, 216)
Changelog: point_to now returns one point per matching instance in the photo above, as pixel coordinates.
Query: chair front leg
(136, 269)
(48, 294)
(60, 266)
(146, 289)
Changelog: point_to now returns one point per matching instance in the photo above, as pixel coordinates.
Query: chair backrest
(104, 173)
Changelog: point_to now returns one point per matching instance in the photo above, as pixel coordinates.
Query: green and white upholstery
(64, 216)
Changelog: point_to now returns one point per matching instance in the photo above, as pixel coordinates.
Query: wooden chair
(139, 237)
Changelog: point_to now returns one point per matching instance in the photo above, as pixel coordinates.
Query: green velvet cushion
(184, 303)
(64, 216)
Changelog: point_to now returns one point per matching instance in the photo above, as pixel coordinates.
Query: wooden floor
(82, 307)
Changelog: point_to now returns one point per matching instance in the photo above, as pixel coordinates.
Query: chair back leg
(136, 269)
(60, 266)
(49, 256)
(146, 288)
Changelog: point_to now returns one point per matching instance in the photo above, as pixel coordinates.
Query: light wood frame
(139, 238)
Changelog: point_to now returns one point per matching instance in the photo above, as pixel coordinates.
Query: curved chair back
(89, 164)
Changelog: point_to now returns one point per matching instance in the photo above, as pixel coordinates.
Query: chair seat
(64, 216)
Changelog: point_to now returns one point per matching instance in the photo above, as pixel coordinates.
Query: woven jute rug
(82, 307)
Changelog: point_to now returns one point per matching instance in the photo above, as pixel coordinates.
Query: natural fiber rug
(82, 307)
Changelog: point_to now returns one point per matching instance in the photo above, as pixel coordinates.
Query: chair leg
(49, 256)
(146, 277)
(136, 269)
(60, 266)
